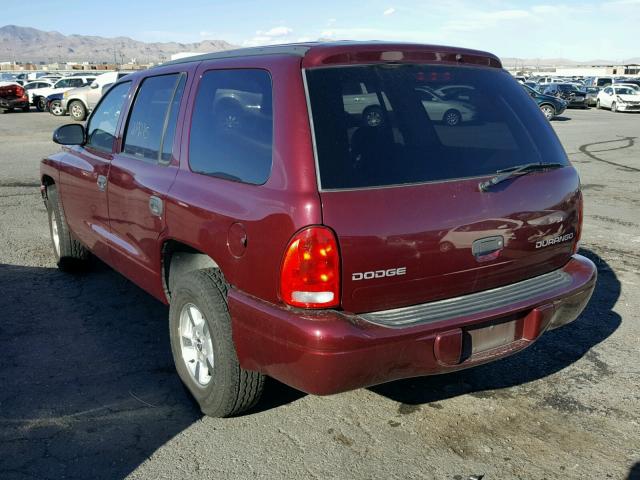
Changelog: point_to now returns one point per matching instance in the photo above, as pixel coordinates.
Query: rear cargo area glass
(382, 125)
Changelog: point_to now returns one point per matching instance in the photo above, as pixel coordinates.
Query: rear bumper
(18, 102)
(328, 352)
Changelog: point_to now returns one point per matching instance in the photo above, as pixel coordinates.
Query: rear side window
(101, 128)
(420, 123)
(232, 126)
(151, 126)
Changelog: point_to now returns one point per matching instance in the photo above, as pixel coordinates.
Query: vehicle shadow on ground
(554, 351)
(560, 119)
(88, 384)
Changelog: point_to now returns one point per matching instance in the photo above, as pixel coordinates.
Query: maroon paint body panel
(433, 236)
(427, 229)
(85, 204)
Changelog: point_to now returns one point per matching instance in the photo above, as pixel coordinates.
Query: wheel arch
(178, 258)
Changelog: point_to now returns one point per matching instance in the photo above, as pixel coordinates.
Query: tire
(70, 254)
(41, 104)
(372, 116)
(548, 110)
(598, 106)
(77, 110)
(229, 115)
(452, 117)
(203, 349)
(614, 107)
(8, 110)
(55, 108)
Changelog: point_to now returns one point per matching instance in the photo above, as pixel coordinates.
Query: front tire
(77, 111)
(41, 104)
(614, 107)
(598, 106)
(70, 254)
(203, 349)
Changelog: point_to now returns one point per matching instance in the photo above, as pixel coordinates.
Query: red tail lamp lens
(580, 208)
(310, 276)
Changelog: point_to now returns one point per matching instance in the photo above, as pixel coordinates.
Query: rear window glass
(232, 126)
(401, 124)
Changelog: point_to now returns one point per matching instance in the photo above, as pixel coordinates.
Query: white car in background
(34, 85)
(619, 99)
(61, 86)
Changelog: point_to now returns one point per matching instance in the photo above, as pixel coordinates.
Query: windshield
(401, 124)
(626, 91)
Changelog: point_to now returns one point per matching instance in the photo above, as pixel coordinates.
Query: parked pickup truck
(319, 245)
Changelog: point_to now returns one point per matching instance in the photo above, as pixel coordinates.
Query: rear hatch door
(399, 184)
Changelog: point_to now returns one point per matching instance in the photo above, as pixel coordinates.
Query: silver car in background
(79, 102)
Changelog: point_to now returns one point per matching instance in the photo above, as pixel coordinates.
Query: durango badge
(551, 241)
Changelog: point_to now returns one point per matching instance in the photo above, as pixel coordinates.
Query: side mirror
(70, 134)
(94, 85)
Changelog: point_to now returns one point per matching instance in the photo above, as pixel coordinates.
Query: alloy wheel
(196, 346)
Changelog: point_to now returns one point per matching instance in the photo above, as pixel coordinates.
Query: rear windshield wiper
(515, 171)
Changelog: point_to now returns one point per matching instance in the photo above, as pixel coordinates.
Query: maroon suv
(334, 215)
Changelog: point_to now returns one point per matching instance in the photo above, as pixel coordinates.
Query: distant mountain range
(550, 62)
(25, 44)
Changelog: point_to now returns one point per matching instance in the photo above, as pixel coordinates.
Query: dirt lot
(88, 390)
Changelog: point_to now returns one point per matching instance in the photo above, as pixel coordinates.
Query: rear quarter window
(232, 126)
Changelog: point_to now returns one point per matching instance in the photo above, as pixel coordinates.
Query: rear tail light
(12, 91)
(580, 208)
(310, 274)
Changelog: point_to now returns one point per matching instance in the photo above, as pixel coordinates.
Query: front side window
(151, 124)
(232, 126)
(422, 123)
(101, 129)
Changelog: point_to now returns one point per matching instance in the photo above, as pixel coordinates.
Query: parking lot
(88, 388)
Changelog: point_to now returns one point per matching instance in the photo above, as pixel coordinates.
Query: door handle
(155, 206)
(101, 182)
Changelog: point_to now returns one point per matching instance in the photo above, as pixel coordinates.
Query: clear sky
(579, 30)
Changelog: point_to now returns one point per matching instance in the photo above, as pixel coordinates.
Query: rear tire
(203, 348)
(56, 108)
(452, 117)
(77, 111)
(598, 107)
(41, 104)
(548, 111)
(70, 254)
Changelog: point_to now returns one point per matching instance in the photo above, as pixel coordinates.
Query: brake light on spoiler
(348, 53)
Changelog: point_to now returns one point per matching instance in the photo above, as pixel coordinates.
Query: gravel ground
(88, 390)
